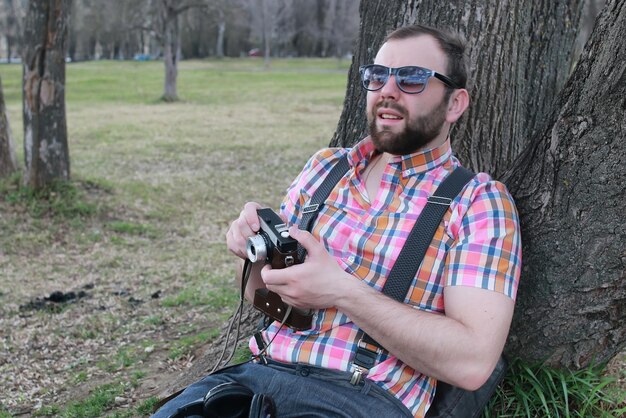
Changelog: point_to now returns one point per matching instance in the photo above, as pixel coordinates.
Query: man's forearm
(433, 344)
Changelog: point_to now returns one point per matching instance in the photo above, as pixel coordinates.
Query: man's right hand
(245, 226)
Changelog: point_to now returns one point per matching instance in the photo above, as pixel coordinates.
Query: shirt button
(351, 259)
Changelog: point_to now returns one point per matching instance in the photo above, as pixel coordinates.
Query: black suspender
(411, 257)
(310, 211)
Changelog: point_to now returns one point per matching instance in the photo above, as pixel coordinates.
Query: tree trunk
(518, 55)
(45, 129)
(171, 46)
(8, 160)
(267, 33)
(221, 29)
(569, 188)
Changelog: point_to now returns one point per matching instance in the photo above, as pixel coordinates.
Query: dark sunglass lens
(375, 77)
(412, 79)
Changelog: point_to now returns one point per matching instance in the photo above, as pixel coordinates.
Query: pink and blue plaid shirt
(477, 244)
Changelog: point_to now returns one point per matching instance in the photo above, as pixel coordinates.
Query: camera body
(272, 243)
(274, 246)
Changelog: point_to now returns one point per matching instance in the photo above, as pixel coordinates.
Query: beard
(417, 134)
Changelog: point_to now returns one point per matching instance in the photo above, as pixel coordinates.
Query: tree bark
(519, 56)
(221, 30)
(45, 128)
(171, 46)
(569, 188)
(8, 159)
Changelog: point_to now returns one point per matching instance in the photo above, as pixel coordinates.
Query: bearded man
(454, 321)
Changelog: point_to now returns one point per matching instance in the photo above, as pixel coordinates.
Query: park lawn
(139, 236)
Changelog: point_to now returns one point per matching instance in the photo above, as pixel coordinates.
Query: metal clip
(439, 200)
(362, 344)
(310, 208)
(357, 374)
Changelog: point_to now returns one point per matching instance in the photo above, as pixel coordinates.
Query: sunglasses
(410, 79)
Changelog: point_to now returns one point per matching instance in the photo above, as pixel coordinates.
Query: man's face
(401, 123)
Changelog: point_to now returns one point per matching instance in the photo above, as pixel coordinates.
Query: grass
(140, 227)
(539, 391)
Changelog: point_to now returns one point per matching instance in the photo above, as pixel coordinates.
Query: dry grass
(161, 183)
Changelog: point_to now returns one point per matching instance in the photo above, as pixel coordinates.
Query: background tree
(45, 128)
(125, 29)
(8, 160)
(166, 28)
(571, 300)
(11, 15)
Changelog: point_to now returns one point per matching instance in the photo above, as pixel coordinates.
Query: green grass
(62, 198)
(184, 345)
(193, 297)
(539, 391)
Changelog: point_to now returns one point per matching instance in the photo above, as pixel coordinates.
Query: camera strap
(410, 259)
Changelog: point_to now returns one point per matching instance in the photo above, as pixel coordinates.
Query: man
(455, 320)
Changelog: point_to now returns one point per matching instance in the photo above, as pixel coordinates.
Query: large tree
(569, 187)
(569, 173)
(45, 129)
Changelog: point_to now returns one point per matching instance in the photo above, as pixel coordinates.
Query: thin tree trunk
(569, 188)
(266, 34)
(519, 55)
(8, 159)
(221, 29)
(171, 46)
(45, 129)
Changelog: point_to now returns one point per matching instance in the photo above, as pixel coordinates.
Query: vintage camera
(274, 246)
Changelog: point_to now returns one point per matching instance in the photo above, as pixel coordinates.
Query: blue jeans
(300, 391)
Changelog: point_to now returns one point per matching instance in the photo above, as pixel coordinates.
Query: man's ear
(457, 104)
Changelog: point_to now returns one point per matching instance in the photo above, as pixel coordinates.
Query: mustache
(390, 104)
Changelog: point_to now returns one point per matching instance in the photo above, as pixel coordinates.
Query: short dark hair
(451, 43)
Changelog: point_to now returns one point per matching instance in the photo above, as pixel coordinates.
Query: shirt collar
(415, 163)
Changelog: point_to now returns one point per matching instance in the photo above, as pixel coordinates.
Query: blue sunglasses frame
(410, 75)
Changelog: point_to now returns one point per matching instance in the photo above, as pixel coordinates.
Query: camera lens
(256, 248)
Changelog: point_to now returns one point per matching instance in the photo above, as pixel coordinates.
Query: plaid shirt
(477, 245)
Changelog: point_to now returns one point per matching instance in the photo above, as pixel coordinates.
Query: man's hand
(242, 228)
(318, 283)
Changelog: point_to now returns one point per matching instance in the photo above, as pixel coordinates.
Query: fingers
(245, 226)
(308, 241)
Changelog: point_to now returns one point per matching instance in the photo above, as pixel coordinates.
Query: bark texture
(45, 128)
(8, 159)
(569, 188)
(519, 55)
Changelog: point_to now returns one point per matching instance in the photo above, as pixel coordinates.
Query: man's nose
(390, 89)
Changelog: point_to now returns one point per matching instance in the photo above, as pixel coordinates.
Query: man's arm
(460, 348)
